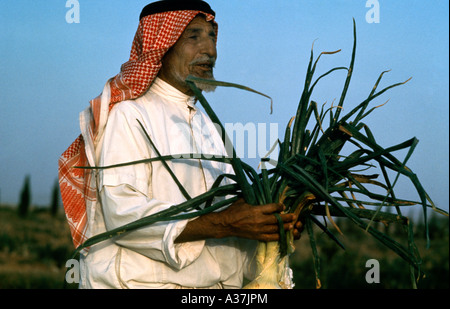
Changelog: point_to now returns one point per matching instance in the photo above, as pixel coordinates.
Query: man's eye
(194, 37)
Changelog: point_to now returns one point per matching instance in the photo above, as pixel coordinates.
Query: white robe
(149, 258)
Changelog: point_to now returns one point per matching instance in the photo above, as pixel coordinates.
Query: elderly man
(174, 39)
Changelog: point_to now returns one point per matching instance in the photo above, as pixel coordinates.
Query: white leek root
(272, 269)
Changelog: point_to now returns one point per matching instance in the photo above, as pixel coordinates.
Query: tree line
(25, 198)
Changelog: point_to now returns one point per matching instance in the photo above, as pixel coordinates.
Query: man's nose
(208, 47)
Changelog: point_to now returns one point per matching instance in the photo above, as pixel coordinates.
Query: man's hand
(255, 222)
(242, 220)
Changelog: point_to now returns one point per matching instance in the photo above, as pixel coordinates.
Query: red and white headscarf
(156, 34)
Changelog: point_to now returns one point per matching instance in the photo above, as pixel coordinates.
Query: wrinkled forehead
(180, 8)
(161, 26)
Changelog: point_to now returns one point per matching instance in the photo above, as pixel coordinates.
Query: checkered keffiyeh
(155, 35)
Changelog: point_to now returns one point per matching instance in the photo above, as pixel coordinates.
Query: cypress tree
(55, 199)
(25, 198)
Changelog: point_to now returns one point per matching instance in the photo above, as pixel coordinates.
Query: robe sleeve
(126, 195)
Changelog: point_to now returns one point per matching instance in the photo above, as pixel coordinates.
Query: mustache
(211, 61)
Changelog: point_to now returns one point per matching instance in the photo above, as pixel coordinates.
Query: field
(34, 251)
(347, 268)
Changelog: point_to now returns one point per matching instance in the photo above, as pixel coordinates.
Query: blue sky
(51, 69)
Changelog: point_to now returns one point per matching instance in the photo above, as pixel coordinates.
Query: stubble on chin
(206, 87)
(202, 86)
(207, 75)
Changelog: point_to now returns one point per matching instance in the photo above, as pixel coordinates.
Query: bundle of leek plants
(311, 178)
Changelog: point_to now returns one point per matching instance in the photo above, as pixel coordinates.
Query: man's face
(193, 54)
